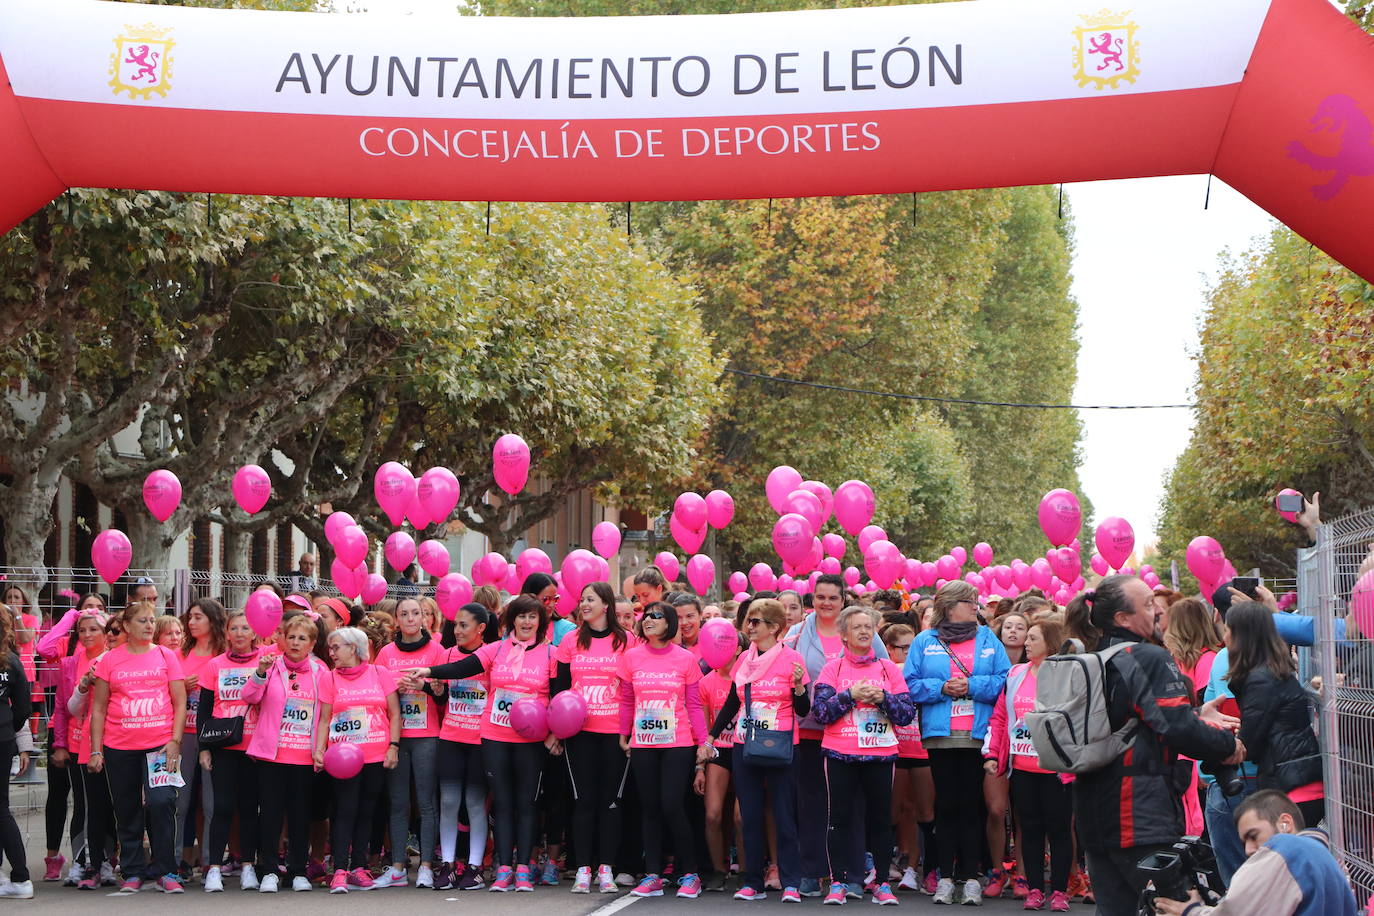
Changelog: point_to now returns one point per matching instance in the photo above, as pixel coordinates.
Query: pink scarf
(754, 664)
(517, 664)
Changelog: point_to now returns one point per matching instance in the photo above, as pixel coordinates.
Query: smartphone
(1289, 502)
(1247, 585)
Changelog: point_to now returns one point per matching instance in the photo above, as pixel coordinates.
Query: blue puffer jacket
(928, 667)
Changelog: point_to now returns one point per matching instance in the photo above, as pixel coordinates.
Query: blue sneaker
(810, 887)
(854, 890)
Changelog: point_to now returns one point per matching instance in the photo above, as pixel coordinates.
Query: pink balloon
(343, 760)
(947, 567)
(335, 523)
(1060, 516)
(830, 566)
(1205, 558)
(452, 592)
(741, 596)
(668, 565)
(347, 579)
(1362, 604)
(690, 509)
(434, 557)
(416, 513)
(567, 714)
(399, 550)
(854, 505)
(512, 582)
(1077, 585)
(1290, 516)
(1020, 576)
(688, 539)
(1151, 580)
(606, 539)
(717, 642)
(761, 577)
(807, 505)
(960, 555)
(251, 488)
(781, 481)
(701, 573)
(1062, 597)
(530, 719)
(982, 554)
(490, 569)
(532, 560)
(821, 492)
(851, 576)
(510, 463)
(111, 554)
(1065, 563)
(720, 509)
(976, 580)
(913, 574)
(438, 492)
(161, 494)
(394, 488)
(737, 582)
(351, 546)
(1115, 540)
(1099, 564)
(1003, 575)
(792, 536)
(883, 562)
(374, 589)
(566, 603)
(785, 582)
(1228, 572)
(868, 535)
(1041, 574)
(834, 545)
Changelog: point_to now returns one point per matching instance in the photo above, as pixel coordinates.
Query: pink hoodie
(269, 695)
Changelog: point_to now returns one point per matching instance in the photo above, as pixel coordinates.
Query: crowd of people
(848, 746)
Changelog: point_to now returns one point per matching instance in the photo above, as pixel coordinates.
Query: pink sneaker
(1059, 902)
(932, 881)
(360, 878)
(996, 882)
(53, 867)
(749, 893)
(883, 896)
(791, 895)
(1035, 900)
(339, 883)
(837, 894)
(651, 886)
(505, 878)
(523, 880)
(689, 886)
(1020, 889)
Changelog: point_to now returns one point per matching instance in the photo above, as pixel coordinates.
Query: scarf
(956, 632)
(353, 673)
(242, 659)
(298, 667)
(420, 641)
(754, 664)
(517, 664)
(860, 661)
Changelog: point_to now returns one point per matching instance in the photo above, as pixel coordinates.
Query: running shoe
(791, 895)
(996, 882)
(883, 896)
(651, 886)
(505, 879)
(315, 871)
(582, 882)
(837, 895)
(771, 881)
(444, 873)
(854, 890)
(1020, 889)
(248, 878)
(339, 883)
(625, 879)
(132, 885)
(1059, 902)
(524, 881)
(1035, 900)
(932, 881)
(469, 879)
(689, 886)
(269, 883)
(944, 891)
(53, 867)
(810, 887)
(107, 874)
(424, 877)
(748, 893)
(74, 875)
(910, 880)
(391, 877)
(361, 878)
(605, 881)
(88, 884)
(214, 883)
(300, 883)
(973, 893)
(23, 890)
(549, 876)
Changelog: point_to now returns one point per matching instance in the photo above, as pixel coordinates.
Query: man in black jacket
(1134, 807)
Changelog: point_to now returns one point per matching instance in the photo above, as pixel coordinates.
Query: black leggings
(236, 789)
(958, 776)
(356, 802)
(1044, 808)
(664, 775)
(284, 794)
(844, 782)
(11, 840)
(139, 809)
(598, 767)
(97, 838)
(513, 771)
(55, 809)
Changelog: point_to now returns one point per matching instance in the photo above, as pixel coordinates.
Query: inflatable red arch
(1276, 97)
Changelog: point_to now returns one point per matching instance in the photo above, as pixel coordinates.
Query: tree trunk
(151, 540)
(27, 507)
(237, 549)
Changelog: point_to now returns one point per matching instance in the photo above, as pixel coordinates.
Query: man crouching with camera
(1288, 871)
(1133, 807)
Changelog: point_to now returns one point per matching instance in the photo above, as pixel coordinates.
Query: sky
(1146, 252)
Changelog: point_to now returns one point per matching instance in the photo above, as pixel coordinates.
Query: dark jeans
(284, 794)
(662, 773)
(236, 779)
(752, 785)
(813, 821)
(598, 765)
(845, 783)
(1117, 882)
(958, 775)
(11, 840)
(1219, 813)
(1044, 808)
(137, 807)
(355, 804)
(513, 771)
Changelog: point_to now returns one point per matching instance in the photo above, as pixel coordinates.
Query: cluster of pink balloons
(351, 547)
(430, 499)
(1207, 561)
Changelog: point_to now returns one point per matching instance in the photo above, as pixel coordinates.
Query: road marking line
(614, 906)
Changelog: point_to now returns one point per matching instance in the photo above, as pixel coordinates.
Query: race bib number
(761, 715)
(1021, 743)
(159, 775)
(413, 710)
(501, 703)
(466, 698)
(231, 681)
(873, 729)
(961, 706)
(296, 717)
(192, 704)
(655, 724)
(349, 725)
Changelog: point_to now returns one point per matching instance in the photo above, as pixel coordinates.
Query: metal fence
(1343, 660)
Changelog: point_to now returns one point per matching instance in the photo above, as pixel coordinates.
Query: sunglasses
(755, 622)
(654, 615)
(904, 648)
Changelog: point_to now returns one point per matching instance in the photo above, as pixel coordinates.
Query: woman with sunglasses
(519, 667)
(913, 791)
(664, 731)
(769, 684)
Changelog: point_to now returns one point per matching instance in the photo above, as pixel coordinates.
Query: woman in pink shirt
(285, 689)
(1041, 799)
(587, 661)
(359, 702)
(664, 731)
(138, 712)
(203, 624)
(859, 699)
(69, 732)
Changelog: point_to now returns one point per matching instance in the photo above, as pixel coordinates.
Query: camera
(1187, 865)
(1227, 777)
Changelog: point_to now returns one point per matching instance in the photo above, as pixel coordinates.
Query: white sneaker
(910, 880)
(268, 885)
(300, 883)
(625, 879)
(74, 875)
(214, 884)
(393, 877)
(973, 893)
(944, 891)
(424, 877)
(21, 891)
(605, 881)
(582, 884)
(107, 875)
(248, 879)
